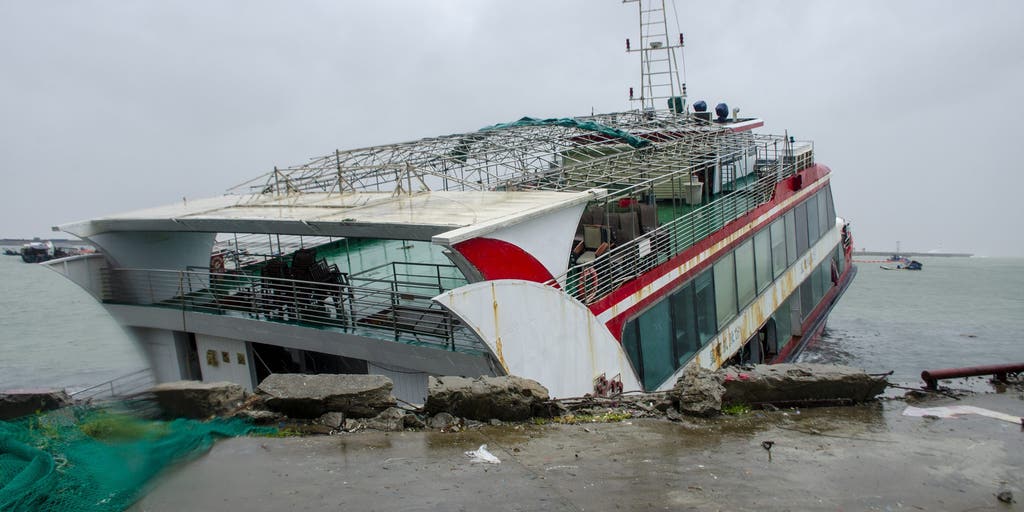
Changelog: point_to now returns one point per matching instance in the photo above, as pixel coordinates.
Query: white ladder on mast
(660, 77)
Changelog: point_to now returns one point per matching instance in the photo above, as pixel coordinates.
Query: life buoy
(217, 264)
(588, 285)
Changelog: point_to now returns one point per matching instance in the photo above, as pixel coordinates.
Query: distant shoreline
(917, 254)
(61, 242)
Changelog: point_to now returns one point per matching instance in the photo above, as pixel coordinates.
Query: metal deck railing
(124, 386)
(592, 281)
(393, 304)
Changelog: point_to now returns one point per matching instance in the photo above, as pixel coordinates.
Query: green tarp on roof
(626, 137)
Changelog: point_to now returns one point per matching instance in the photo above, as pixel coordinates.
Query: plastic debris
(953, 411)
(482, 455)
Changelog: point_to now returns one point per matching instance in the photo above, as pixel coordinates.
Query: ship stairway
(660, 77)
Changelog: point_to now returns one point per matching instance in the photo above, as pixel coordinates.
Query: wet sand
(858, 458)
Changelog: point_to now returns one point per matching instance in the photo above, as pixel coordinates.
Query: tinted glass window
(783, 324)
(631, 344)
(801, 229)
(745, 285)
(763, 258)
(704, 293)
(778, 235)
(816, 284)
(791, 253)
(725, 289)
(824, 221)
(806, 297)
(684, 324)
(813, 224)
(656, 344)
(829, 205)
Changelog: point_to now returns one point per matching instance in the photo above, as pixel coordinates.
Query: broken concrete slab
(198, 400)
(310, 396)
(506, 398)
(16, 403)
(699, 392)
(782, 384)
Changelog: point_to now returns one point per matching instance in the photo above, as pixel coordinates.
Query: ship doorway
(192, 368)
(274, 359)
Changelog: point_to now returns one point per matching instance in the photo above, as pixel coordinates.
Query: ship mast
(662, 79)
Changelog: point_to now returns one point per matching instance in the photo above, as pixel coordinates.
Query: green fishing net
(79, 459)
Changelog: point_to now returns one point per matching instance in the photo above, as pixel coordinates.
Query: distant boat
(911, 265)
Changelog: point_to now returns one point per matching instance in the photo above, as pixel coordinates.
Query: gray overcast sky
(112, 106)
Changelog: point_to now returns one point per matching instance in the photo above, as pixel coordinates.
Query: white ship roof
(417, 216)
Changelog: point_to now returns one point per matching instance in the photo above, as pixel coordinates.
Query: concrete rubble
(327, 404)
(310, 396)
(16, 403)
(783, 384)
(194, 399)
(484, 398)
(702, 392)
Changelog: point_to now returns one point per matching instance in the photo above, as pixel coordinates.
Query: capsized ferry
(594, 254)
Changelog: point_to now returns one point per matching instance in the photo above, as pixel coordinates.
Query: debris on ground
(482, 455)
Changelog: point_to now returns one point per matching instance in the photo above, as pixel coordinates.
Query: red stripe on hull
(783, 190)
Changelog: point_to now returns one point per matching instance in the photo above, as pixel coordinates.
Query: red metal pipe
(932, 377)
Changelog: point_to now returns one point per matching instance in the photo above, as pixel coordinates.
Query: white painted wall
(547, 238)
(236, 366)
(538, 332)
(156, 249)
(161, 353)
(83, 270)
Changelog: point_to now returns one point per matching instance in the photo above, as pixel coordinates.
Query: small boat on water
(38, 252)
(910, 265)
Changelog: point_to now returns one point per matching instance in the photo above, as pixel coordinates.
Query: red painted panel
(498, 259)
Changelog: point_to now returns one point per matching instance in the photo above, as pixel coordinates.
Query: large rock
(484, 398)
(194, 399)
(310, 396)
(796, 383)
(699, 392)
(16, 403)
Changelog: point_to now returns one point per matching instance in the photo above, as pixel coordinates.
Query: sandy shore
(858, 458)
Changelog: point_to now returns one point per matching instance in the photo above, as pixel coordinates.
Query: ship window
(791, 253)
(656, 344)
(806, 297)
(824, 270)
(631, 344)
(829, 205)
(824, 221)
(801, 229)
(763, 258)
(704, 292)
(725, 289)
(778, 232)
(745, 284)
(813, 220)
(838, 257)
(684, 324)
(783, 324)
(816, 288)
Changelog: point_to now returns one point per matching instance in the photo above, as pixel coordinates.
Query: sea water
(54, 334)
(955, 312)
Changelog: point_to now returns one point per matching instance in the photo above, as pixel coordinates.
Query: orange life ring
(588, 284)
(217, 264)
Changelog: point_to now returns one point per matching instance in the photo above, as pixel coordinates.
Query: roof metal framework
(531, 157)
